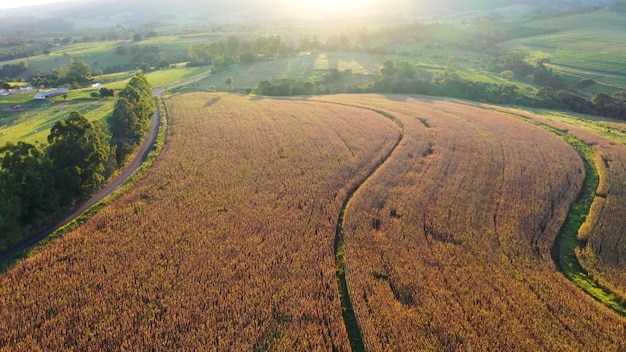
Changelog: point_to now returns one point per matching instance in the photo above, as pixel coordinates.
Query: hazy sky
(9, 4)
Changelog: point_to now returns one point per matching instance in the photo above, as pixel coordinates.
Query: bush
(508, 75)
(584, 83)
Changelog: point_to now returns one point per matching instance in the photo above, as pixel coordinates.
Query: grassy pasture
(227, 243)
(103, 54)
(159, 78)
(302, 67)
(448, 246)
(99, 54)
(315, 65)
(32, 121)
(590, 41)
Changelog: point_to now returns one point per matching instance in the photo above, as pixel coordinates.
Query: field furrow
(461, 253)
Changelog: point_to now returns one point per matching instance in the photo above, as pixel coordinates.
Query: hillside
(108, 13)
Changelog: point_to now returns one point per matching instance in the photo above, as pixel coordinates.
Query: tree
(137, 37)
(388, 68)
(130, 117)
(246, 58)
(77, 71)
(28, 181)
(9, 204)
(124, 123)
(79, 151)
(80, 69)
(106, 92)
(229, 82)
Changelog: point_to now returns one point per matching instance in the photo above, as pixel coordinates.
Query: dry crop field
(227, 244)
(448, 246)
(604, 255)
(605, 230)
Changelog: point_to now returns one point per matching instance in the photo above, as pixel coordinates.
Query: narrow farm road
(121, 178)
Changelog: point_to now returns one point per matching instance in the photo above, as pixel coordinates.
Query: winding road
(129, 170)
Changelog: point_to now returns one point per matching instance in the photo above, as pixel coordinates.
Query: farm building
(50, 94)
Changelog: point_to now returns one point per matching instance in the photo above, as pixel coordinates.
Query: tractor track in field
(352, 325)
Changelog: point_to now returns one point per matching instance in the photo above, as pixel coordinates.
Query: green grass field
(588, 44)
(32, 121)
(158, 78)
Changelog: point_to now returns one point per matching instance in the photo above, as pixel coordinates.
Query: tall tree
(131, 116)
(9, 204)
(28, 180)
(79, 151)
(229, 82)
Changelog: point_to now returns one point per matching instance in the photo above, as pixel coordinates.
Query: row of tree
(36, 180)
(225, 53)
(11, 71)
(76, 74)
(130, 119)
(403, 78)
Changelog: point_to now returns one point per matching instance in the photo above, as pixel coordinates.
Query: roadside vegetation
(38, 180)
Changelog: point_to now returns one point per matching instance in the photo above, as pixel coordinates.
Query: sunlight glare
(334, 7)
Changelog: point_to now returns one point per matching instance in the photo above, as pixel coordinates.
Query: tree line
(401, 77)
(76, 75)
(38, 180)
(404, 78)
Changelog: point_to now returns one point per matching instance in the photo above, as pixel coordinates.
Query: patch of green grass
(590, 41)
(98, 54)
(161, 78)
(33, 121)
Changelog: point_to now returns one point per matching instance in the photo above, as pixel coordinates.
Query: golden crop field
(602, 234)
(447, 213)
(226, 245)
(448, 245)
(605, 253)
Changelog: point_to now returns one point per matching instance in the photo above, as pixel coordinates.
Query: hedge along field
(448, 246)
(226, 244)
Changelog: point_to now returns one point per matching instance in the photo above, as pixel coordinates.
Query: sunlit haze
(330, 7)
(9, 4)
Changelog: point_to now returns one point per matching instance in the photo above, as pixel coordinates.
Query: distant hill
(108, 13)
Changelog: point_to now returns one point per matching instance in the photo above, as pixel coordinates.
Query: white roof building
(50, 94)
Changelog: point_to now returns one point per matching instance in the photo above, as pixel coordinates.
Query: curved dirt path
(129, 170)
